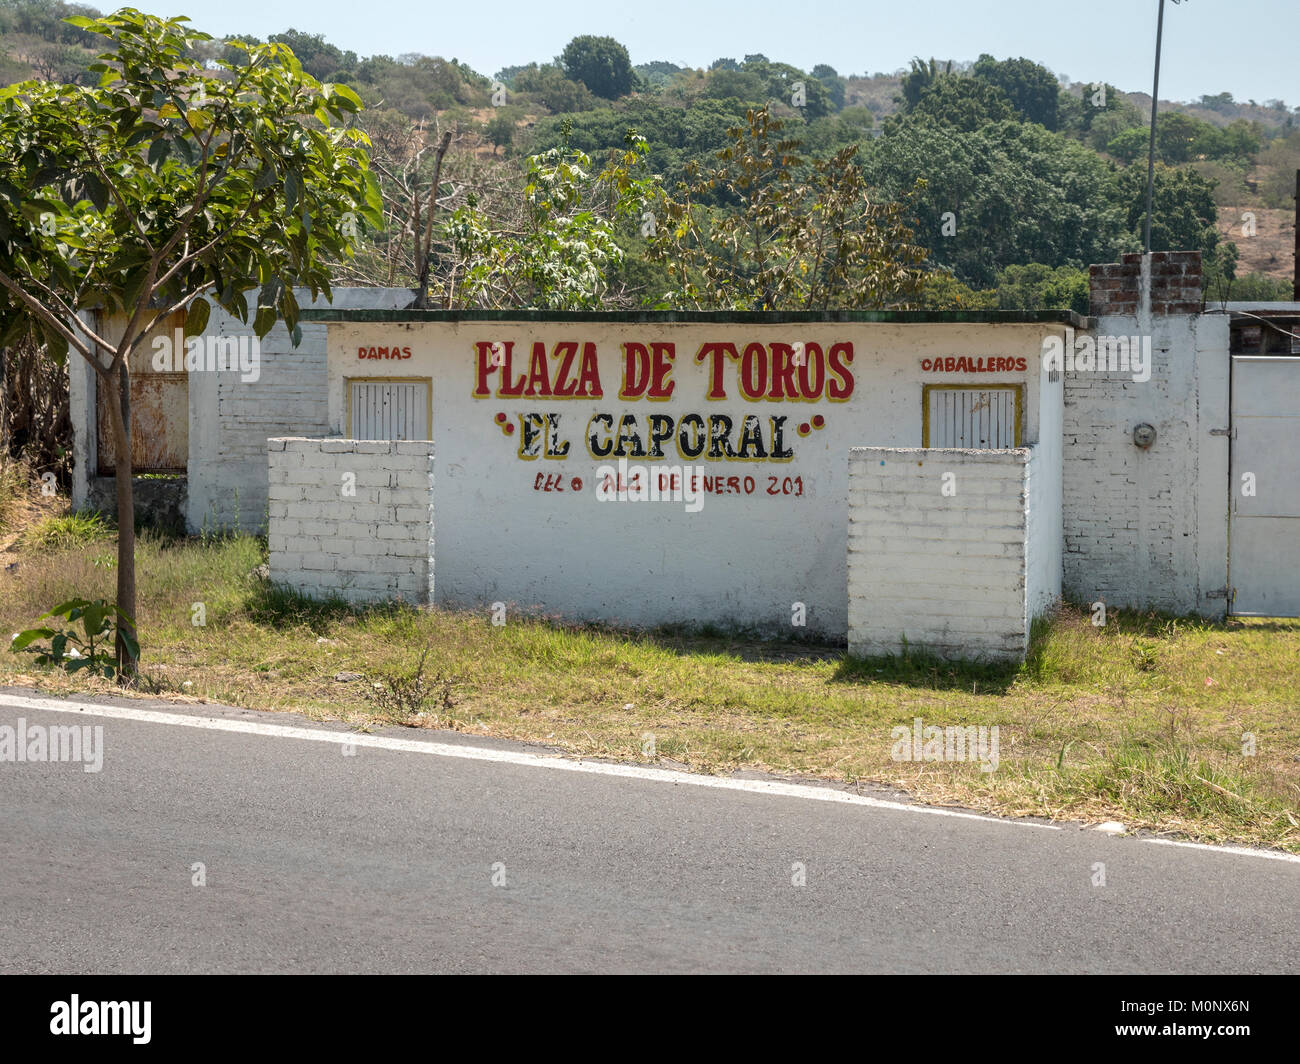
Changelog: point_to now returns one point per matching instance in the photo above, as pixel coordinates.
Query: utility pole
(1151, 147)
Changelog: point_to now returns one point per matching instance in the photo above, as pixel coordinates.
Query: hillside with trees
(995, 180)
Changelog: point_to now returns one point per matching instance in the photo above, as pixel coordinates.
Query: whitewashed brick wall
(944, 575)
(1148, 528)
(374, 545)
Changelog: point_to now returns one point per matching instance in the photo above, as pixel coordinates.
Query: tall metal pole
(1151, 149)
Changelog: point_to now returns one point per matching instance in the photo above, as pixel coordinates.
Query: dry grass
(1271, 250)
(1141, 721)
(22, 507)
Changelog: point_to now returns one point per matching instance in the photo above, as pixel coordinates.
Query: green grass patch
(67, 532)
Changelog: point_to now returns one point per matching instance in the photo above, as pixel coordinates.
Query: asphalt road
(384, 860)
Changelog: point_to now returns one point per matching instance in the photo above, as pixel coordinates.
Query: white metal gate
(389, 409)
(1264, 545)
(970, 416)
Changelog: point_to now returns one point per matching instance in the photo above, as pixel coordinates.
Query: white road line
(511, 757)
(1244, 851)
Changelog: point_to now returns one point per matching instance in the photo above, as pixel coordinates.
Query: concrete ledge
(159, 502)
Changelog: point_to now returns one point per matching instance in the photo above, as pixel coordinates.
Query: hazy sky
(1210, 47)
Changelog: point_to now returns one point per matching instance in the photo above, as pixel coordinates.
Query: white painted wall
(944, 574)
(742, 559)
(1149, 528)
(1045, 500)
(352, 518)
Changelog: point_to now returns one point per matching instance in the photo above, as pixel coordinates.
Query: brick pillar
(1114, 288)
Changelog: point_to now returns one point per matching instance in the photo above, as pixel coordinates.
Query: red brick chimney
(1115, 288)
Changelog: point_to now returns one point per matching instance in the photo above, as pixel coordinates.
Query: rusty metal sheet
(160, 405)
(160, 417)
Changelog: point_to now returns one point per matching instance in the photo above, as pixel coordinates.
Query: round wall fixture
(1144, 435)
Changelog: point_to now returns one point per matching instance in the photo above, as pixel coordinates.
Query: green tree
(600, 63)
(799, 236)
(164, 187)
(501, 130)
(835, 86)
(858, 117)
(506, 75)
(1007, 193)
(1278, 164)
(657, 74)
(1238, 142)
(918, 79)
(1183, 216)
(1223, 101)
(232, 51)
(1038, 287)
(1181, 138)
(785, 84)
(963, 103)
(744, 85)
(675, 135)
(561, 249)
(548, 86)
(1259, 287)
(1219, 271)
(1032, 89)
(318, 57)
(1127, 145)
(1184, 138)
(942, 291)
(1097, 114)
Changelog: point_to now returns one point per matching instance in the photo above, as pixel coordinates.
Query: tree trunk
(422, 254)
(119, 415)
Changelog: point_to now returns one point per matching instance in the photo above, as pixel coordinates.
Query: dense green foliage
(1013, 193)
(600, 63)
(1019, 169)
(1032, 89)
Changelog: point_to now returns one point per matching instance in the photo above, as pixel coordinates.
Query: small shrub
(1144, 657)
(100, 623)
(408, 694)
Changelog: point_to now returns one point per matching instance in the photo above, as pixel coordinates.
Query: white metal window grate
(976, 418)
(389, 410)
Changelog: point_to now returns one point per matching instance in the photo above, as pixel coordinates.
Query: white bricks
(939, 573)
(1147, 528)
(373, 544)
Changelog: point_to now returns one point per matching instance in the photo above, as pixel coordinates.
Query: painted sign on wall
(570, 370)
(735, 437)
